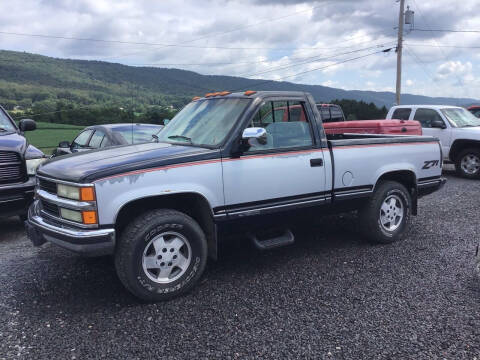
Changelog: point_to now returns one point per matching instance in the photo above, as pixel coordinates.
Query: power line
(319, 68)
(419, 62)
(256, 84)
(315, 59)
(447, 30)
(445, 46)
(203, 64)
(157, 44)
(435, 41)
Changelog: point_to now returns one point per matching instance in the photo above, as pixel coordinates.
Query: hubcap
(391, 213)
(166, 257)
(470, 164)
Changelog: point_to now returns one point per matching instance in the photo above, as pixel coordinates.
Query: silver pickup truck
(226, 163)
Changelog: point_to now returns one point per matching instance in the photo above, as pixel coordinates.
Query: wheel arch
(461, 144)
(193, 204)
(405, 177)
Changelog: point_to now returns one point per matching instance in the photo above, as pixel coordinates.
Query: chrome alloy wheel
(391, 213)
(470, 164)
(166, 257)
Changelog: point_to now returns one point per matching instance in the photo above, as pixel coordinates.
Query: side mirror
(438, 124)
(64, 144)
(254, 133)
(27, 125)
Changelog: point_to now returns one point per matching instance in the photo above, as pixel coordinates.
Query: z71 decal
(430, 163)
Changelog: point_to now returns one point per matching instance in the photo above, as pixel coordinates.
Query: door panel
(425, 117)
(277, 171)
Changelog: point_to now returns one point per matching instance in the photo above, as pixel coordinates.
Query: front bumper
(16, 198)
(429, 186)
(88, 242)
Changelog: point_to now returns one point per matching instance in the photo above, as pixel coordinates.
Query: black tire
(370, 215)
(135, 239)
(458, 163)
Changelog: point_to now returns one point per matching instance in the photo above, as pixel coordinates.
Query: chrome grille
(48, 186)
(49, 208)
(10, 167)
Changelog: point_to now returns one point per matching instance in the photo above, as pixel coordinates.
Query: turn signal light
(89, 217)
(249, 92)
(196, 98)
(87, 194)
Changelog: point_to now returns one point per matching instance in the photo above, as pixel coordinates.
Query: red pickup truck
(334, 121)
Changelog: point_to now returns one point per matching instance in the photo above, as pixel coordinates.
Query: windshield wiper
(2, 129)
(155, 137)
(173, 137)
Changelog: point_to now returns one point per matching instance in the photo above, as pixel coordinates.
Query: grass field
(48, 135)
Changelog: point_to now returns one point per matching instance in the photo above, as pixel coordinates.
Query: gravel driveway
(329, 296)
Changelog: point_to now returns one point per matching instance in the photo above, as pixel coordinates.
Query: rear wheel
(161, 255)
(384, 219)
(467, 163)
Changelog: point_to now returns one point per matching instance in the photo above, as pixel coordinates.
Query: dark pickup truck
(18, 163)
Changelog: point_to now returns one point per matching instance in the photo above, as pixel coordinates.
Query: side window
(337, 114)
(476, 113)
(426, 116)
(82, 139)
(401, 114)
(325, 112)
(97, 139)
(287, 126)
(105, 142)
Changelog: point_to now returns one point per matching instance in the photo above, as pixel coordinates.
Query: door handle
(316, 162)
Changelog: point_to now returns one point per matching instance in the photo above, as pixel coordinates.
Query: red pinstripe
(203, 162)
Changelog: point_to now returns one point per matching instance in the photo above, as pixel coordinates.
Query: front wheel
(467, 164)
(384, 219)
(161, 255)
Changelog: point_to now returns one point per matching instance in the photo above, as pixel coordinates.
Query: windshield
(460, 117)
(5, 122)
(204, 122)
(135, 134)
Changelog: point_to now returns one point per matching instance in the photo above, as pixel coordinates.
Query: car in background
(475, 110)
(457, 129)
(18, 163)
(102, 136)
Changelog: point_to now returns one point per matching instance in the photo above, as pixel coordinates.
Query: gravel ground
(329, 296)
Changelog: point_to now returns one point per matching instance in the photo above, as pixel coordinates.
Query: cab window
(287, 126)
(82, 139)
(97, 139)
(401, 114)
(426, 116)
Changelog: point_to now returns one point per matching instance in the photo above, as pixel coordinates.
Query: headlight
(76, 193)
(33, 164)
(71, 215)
(86, 217)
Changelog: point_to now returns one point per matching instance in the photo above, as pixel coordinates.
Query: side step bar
(286, 238)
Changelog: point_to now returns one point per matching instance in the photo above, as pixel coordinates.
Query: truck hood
(93, 165)
(468, 133)
(12, 142)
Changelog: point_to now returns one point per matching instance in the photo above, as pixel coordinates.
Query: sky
(335, 43)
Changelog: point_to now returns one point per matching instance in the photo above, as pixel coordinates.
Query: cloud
(273, 39)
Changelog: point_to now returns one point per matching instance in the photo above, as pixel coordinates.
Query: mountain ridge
(23, 76)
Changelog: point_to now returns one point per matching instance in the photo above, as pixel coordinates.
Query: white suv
(457, 129)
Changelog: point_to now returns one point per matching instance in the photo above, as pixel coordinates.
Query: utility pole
(399, 51)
